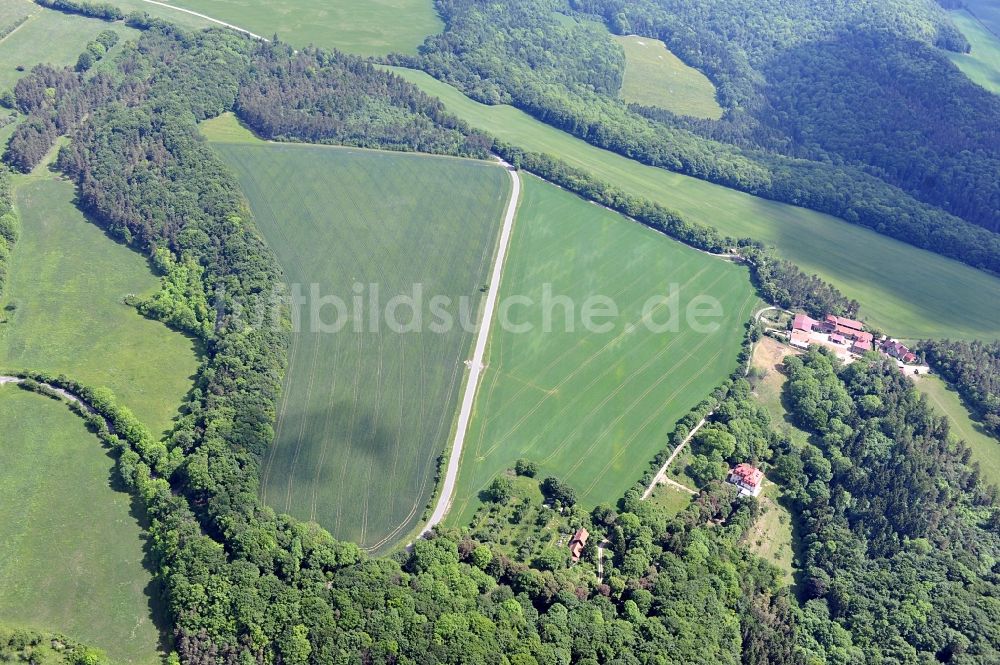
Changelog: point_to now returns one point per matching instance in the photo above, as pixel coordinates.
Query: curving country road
(476, 364)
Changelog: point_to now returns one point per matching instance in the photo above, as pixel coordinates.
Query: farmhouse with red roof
(577, 543)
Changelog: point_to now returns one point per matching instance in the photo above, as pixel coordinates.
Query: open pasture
(592, 405)
(910, 292)
(71, 555)
(366, 414)
(654, 76)
(364, 27)
(48, 36)
(982, 65)
(63, 309)
(985, 449)
(987, 12)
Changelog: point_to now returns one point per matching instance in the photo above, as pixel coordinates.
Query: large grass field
(593, 407)
(654, 76)
(71, 555)
(982, 65)
(985, 449)
(365, 27)
(910, 292)
(988, 13)
(365, 415)
(49, 36)
(66, 285)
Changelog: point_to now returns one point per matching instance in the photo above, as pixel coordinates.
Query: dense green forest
(324, 97)
(899, 540)
(899, 537)
(974, 369)
(550, 60)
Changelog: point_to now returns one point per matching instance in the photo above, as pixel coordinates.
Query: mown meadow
(72, 553)
(654, 76)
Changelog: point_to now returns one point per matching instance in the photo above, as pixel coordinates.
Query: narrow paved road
(476, 364)
(661, 475)
(207, 18)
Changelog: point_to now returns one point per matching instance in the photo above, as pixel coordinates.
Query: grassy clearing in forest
(985, 449)
(365, 415)
(982, 65)
(654, 76)
(71, 555)
(770, 537)
(593, 407)
(910, 292)
(63, 309)
(48, 36)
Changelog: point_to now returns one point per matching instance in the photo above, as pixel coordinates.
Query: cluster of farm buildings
(843, 333)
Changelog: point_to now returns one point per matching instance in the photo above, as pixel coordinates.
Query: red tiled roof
(861, 345)
(849, 323)
(748, 475)
(577, 543)
(803, 322)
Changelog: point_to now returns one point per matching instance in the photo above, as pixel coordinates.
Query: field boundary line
(476, 364)
(208, 18)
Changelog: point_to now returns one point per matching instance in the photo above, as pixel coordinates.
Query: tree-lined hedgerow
(780, 282)
(547, 58)
(10, 225)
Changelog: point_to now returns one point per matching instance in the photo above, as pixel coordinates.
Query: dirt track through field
(476, 364)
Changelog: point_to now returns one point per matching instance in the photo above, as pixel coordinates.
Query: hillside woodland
(899, 539)
(800, 126)
(974, 369)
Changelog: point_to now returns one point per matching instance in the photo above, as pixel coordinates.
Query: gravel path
(207, 18)
(476, 364)
(661, 475)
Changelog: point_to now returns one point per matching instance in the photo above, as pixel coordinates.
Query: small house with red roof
(748, 478)
(577, 543)
(861, 346)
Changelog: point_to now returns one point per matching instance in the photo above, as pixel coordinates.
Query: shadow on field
(155, 594)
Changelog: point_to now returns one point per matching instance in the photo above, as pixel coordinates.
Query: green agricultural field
(71, 556)
(987, 12)
(982, 65)
(49, 36)
(592, 408)
(654, 76)
(985, 449)
(907, 291)
(365, 27)
(63, 309)
(365, 415)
